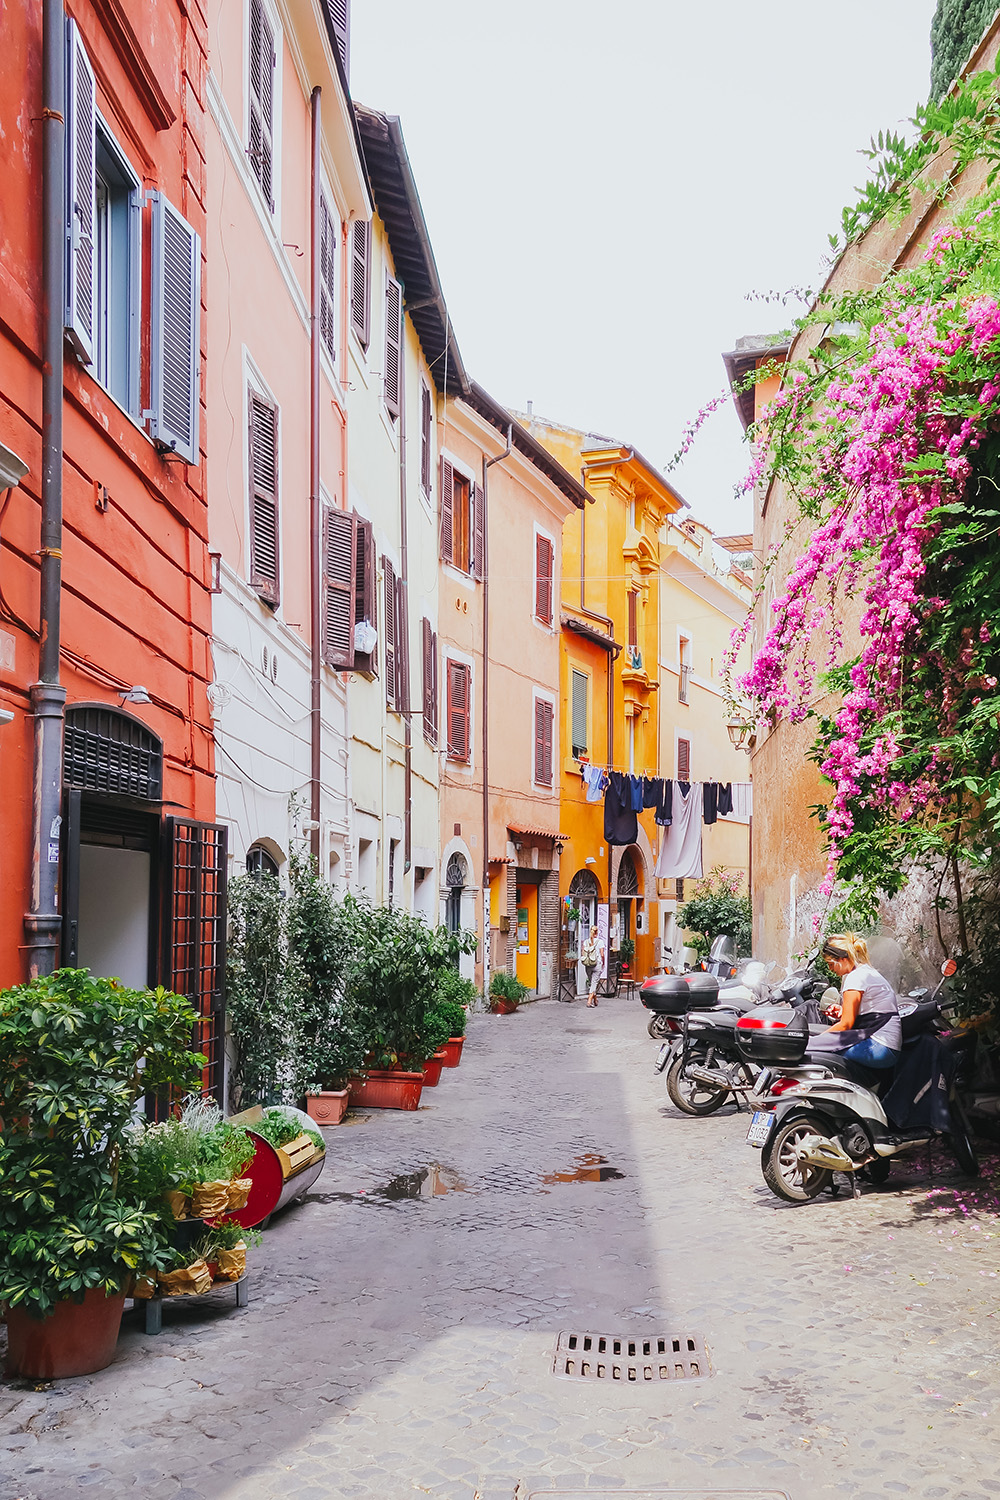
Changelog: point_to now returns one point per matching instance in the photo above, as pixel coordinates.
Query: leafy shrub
(504, 986)
(716, 908)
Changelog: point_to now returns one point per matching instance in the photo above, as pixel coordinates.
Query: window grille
(107, 751)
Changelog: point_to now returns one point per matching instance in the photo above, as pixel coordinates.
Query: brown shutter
(339, 588)
(360, 273)
(262, 65)
(543, 742)
(426, 421)
(435, 688)
(543, 578)
(389, 589)
(392, 384)
(459, 696)
(447, 511)
(683, 760)
(429, 674)
(402, 648)
(478, 530)
(365, 601)
(264, 530)
(633, 621)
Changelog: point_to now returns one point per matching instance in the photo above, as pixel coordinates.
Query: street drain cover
(599, 1356)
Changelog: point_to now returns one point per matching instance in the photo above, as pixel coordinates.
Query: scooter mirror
(949, 967)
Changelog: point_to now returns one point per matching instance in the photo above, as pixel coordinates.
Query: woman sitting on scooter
(869, 1030)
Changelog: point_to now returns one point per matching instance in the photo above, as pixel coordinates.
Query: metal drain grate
(599, 1356)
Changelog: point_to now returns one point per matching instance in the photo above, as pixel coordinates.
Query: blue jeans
(872, 1053)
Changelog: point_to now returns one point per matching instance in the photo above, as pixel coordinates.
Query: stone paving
(399, 1346)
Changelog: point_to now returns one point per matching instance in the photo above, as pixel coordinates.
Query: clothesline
(680, 808)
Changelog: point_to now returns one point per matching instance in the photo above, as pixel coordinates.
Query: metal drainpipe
(405, 590)
(315, 505)
(487, 465)
(43, 921)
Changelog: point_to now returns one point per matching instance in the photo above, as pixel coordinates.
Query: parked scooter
(669, 996)
(819, 1114)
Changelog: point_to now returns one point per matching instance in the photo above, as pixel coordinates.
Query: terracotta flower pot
(329, 1107)
(387, 1090)
(503, 1007)
(75, 1338)
(452, 1051)
(432, 1070)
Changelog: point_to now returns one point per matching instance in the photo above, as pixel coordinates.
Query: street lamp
(742, 735)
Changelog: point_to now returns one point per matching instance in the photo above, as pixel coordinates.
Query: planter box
(452, 1052)
(328, 1108)
(387, 1090)
(432, 1070)
(294, 1155)
(76, 1338)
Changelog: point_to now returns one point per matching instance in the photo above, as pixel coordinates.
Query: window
(544, 715)
(393, 380)
(430, 683)
(259, 862)
(580, 714)
(389, 600)
(102, 282)
(393, 846)
(683, 760)
(684, 673)
(263, 62)
(426, 425)
(397, 643)
(365, 601)
(264, 526)
(544, 555)
(463, 521)
(327, 278)
(360, 278)
(340, 18)
(459, 711)
(633, 619)
(339, 587)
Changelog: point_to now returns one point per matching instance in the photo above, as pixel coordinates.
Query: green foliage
(956, 29)
(504, 986)
(458, 993)
(333, 1031)
(279, 1126)
(259, 1002)
(225, 1235)
(76, 1053)
(718, 907)
(626, 949)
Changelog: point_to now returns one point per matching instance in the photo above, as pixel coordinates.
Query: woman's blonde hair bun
(855, 947)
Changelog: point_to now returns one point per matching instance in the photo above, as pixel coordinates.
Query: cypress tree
(956, 28)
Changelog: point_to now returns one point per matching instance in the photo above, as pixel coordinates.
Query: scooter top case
(773, 1034)
(674, 994)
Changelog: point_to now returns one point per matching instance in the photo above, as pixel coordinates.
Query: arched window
(455, 877)
(584, 883)
(259, 862)
(107, 751)
(628, 876)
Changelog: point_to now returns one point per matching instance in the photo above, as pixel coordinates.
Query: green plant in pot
(76, 1055)
(506, 992)
(626, 951)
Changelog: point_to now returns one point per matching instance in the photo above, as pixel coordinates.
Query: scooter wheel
(783, 1173)
(659, 1025)
(689, 1095)
(877, 1171)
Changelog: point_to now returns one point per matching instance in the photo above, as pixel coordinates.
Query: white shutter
(393, 344)
(81, 102)
(175, 310)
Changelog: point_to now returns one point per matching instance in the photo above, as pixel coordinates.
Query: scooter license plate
(663, 1056)
(760, 1127)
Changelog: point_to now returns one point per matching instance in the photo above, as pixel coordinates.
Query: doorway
(111, 894)
(527, 935)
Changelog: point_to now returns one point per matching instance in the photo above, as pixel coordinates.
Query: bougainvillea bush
(887, 442)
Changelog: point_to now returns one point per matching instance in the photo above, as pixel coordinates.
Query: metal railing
(683, 683)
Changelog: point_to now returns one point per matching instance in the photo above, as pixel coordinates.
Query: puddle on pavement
(587, 1168)
(433, 1181)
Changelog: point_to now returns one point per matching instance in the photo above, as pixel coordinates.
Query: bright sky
(606, 183)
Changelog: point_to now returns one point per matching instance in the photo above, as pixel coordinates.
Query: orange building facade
(138, 864)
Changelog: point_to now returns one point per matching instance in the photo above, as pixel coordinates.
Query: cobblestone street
(397, 1346)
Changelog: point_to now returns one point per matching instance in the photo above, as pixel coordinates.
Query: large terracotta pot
(329, 1107)
(432, 1070)
(387, 1090)
(503, 1007)
(75, 1338)
(452, 1051)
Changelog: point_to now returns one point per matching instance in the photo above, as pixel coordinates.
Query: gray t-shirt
(878, 1013)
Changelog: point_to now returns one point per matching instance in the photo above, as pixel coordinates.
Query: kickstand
(855, 1186)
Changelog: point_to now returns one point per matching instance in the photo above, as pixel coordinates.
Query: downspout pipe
(315, 500)
(404, 575)
(43, 920)
(487, 466)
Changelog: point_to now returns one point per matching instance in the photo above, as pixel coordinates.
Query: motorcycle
(816, 1113)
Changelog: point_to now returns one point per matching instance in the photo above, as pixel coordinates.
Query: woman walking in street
(592, 955)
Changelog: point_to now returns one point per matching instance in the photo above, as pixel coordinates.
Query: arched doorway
(585, 894)
(456, 876)
(627, 891)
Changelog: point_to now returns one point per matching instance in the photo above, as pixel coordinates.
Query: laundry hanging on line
(680, 855)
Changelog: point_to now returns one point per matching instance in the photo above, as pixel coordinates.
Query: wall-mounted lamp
(742, 735)
(137, 694)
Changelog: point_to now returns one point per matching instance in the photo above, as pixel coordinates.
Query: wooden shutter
(360, 275)
(683, 760)
(340, 19)
(339, 588)
(365, 601)
(393, 344)
(543, 742)
(459, 705)
(264, 529)
(327, 278)
(543, 578)
(262, 64)
(430, 683)
(579, 728)
(174, 331)
(426, 421)
(477, 501)
(194, 933)
(81, 102)
(389, 589)
(633, 619)
(447, 511)
(402, 649)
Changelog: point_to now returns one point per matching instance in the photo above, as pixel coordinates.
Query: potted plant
(572, 916)
(456, 996)
(506, 993)
(626, 950)
(76, 1054)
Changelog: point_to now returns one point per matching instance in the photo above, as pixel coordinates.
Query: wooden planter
(329, 1107)
(452, 1052)
(76, 1338)
(432, 1070)
(387, 1090)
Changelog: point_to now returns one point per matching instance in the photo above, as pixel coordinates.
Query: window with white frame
(684, 668)
(580, 712)
(327, 276)
(262, 68)
(544, 568)
(463, 521)
(117, 251)
(543, 739)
